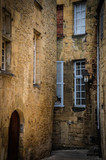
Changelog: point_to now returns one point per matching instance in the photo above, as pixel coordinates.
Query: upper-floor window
(79, 18)
(79, 85)
(6, 23)
(59, 21)
(6, 40)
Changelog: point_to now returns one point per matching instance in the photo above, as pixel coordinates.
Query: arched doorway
(13, 141)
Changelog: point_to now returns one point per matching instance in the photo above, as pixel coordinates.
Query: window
(3, 55)
(59, 21)
(101, 21)
(59, 85)
(36, 56)
(6, 19)
(79, 85)
(6, 40)
(79, 18)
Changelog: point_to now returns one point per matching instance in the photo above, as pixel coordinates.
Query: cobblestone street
(71, 155)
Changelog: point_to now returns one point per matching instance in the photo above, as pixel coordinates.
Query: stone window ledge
(6, 73)
(79, 35)
(37, 86)
(38, 4)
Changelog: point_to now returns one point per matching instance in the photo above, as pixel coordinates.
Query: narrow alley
(72, 155)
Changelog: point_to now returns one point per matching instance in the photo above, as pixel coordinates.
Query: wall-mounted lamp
(86, 76)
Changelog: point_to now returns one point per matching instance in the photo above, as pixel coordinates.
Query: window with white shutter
(79, 85)
(79, 18)
(60, 85)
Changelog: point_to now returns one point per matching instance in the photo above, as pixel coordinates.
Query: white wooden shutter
(59, 85)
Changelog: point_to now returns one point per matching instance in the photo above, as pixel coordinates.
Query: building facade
(101, 10)
(27, 78)
(75, 112)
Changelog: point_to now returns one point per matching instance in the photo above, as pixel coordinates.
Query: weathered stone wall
(76, 127)
(102, 45)
(34, 104)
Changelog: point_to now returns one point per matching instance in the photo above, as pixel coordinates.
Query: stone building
(101, 10)
(75, 112)
(27, 78)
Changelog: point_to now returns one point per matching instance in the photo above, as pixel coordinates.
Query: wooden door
(13, 142)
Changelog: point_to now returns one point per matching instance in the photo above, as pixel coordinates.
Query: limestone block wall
(102, 45)
(34, 103)
(76, 127)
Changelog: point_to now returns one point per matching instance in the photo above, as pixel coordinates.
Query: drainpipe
(98, 92)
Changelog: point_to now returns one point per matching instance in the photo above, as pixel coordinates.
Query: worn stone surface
(71, 154)
(102, 45)
(34, 105)
(81, 132)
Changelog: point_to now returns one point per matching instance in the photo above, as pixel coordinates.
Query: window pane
(83, 29)
(3, 52)
(58, 90)
(83, 14)
(83, 101)
(82, 81)
(83, 65)
(77, 81)
(78, 30)
(2, 58)
(83, 87)
(78, 22)
(82, 71)
(83, 22)
(78, 7)
(2, 65)
(78, 72)
(78, 15)
(78, 88)
(83, 6)
(59, 72)
(2, 45)
(78, 101)
(77, 65)
(78, 94)
(83, 94)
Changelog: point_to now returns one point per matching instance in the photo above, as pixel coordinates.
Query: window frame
(62, 85)
(3, 62)
(75, 18)
(36, 56)
(34, 59)
(6, 39)
(81, 84)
